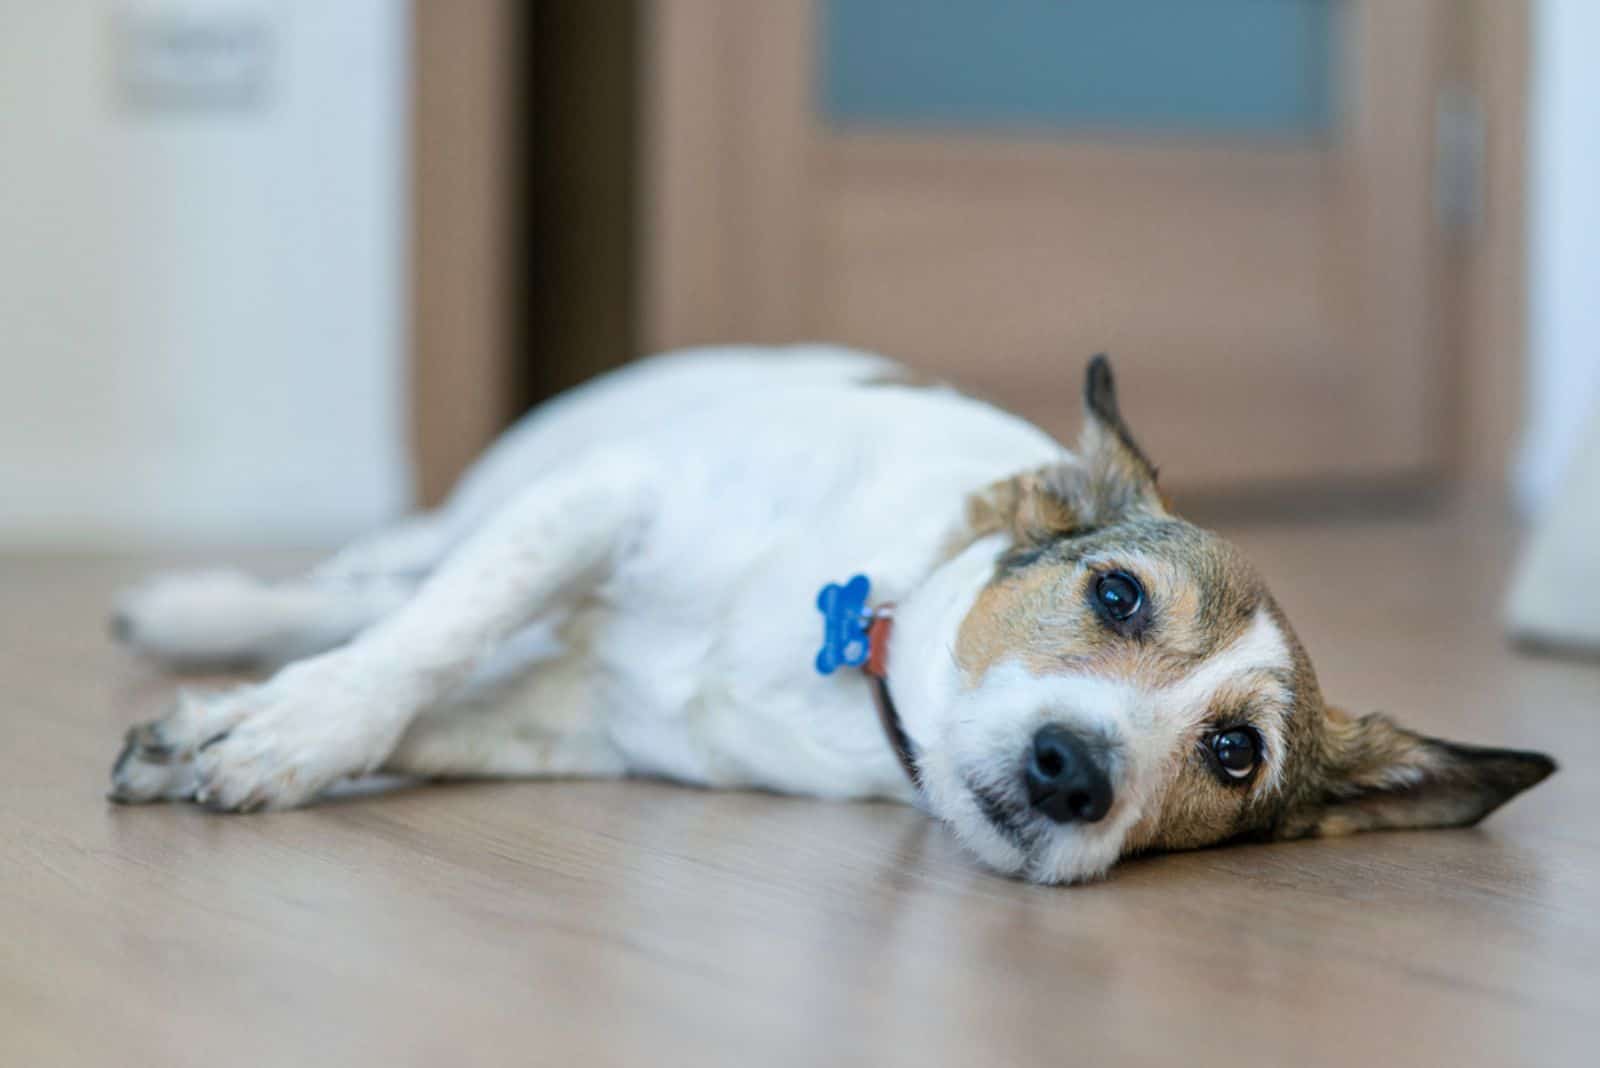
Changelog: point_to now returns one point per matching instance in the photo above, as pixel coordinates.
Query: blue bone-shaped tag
(845, 619)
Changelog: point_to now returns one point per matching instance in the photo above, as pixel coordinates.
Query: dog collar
(854, 635)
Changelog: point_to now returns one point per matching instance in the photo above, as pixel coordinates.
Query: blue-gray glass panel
(1183, 66)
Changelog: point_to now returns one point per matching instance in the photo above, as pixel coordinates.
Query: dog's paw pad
(157, 759)
(150, 767)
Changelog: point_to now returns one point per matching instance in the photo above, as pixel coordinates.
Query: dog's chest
(707, 649)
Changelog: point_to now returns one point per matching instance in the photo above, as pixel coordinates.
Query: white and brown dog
(628, 583)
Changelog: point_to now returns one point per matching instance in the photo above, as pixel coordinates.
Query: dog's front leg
(342, 713)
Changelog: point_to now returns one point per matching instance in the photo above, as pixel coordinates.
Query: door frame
(467, 112)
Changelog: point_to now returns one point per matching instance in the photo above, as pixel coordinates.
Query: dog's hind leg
(226, 618)
(345, 712)
(522, 716)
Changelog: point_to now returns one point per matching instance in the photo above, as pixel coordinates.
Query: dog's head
(1122, 681)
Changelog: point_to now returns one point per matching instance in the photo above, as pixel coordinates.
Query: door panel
(1023, 279)
(1256, 252)
(1258, 67)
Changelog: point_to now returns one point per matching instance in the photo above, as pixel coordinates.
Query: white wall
(201, 313)
(1564, 241)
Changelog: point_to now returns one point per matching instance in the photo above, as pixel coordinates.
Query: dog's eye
(1119, 595)
(1236, 751)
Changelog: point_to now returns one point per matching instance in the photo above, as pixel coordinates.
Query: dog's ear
(1375, 775)
(1121, 474)
(1111, 479)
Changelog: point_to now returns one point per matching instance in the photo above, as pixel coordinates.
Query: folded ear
(1110, 479)
(1379, 776)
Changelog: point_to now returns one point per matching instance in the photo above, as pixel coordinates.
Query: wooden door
(1268, 289)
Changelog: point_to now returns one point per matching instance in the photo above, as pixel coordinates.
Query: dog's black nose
(1067, 778)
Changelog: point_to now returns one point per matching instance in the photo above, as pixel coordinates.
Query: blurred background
(275, 270)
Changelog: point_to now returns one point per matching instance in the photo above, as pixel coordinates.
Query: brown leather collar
(877, 668)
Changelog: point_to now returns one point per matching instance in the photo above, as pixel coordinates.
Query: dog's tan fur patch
(1196, 808)
(1039, 613)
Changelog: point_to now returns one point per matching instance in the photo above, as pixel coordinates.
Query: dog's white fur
(626, 583)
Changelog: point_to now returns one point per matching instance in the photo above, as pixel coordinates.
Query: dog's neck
(923, 674)
(894, 731)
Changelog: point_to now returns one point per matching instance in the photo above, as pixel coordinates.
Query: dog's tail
(227, 619)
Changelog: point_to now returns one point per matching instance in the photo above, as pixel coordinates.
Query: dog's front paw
(284, 754)
(151, 767)
(276, 745)
(157, 761)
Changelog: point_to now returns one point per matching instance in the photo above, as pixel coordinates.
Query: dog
(1022, 639)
